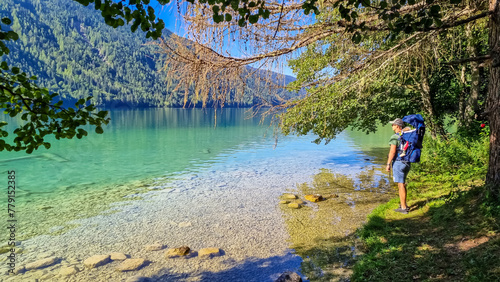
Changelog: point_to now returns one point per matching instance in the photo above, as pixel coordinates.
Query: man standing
(400, 168)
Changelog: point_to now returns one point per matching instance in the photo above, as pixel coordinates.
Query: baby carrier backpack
(412, 139)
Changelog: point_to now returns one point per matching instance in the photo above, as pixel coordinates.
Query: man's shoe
(403, 211)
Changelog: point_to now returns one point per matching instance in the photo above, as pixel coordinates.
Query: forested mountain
(74, 53)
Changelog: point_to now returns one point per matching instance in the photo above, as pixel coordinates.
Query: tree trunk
(493, 101)
(472, 106)
(461, 99)
(433, 127)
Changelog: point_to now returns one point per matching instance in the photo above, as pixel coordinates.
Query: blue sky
(170, 16)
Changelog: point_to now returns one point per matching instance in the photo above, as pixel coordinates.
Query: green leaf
(134, 26)
(228, 17)
(266, 14)
(434, 10)
(253, 19)
(6, 21)
(215, 9)
(99, 130)
(241, 22)
(218, 18)
(356, 38)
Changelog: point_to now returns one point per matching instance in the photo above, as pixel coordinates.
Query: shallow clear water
(185, 150)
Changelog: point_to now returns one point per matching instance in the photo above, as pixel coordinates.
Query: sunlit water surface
(145, 150)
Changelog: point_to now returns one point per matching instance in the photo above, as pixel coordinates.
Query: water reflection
(322, 233)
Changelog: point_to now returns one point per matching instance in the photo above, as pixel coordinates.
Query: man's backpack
(414, 139)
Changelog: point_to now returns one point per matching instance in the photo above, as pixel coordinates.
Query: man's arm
(391, 155)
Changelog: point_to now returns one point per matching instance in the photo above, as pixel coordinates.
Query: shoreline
(236, 210)
(231, 204)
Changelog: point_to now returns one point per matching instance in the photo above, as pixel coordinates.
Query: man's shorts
(400, 171)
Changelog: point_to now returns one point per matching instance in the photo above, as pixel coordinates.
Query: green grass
(452, 232)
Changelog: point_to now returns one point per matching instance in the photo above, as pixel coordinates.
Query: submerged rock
(5, 249)
(97, 260)
(314, 198)
(20, 269)
(118, 256)
(294, 205)
(41, 263)
(131, 264)
(184, 224)
(290, 196)
(289, 277)
(68, 270)
(155, 247)
(284, 202)
(177, 252)
(209, 252)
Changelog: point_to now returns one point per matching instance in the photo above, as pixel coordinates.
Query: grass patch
(452, 231)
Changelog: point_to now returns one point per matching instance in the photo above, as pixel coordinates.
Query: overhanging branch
(467, 60)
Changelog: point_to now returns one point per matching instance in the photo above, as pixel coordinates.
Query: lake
(181, 177)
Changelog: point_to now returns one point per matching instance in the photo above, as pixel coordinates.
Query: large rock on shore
(290, 196)
(314, 198)
(97, 260)
(289, 277)
(131, 264)
(294, 205)
(209, 252)
(177, 252)
(41, 263)
(118, 256)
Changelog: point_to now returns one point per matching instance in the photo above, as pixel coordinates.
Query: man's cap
(398, 121)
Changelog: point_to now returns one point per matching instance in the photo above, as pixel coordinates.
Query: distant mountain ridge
(74, 53)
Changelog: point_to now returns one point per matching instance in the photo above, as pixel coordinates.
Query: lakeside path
(233, 206)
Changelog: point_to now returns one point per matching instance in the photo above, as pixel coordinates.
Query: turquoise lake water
(148, 143)
(172, 175)
(140, 146)
(137, 144)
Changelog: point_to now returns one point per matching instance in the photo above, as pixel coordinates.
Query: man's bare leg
(402, 195)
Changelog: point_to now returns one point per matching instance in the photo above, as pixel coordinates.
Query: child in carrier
(406, 144)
